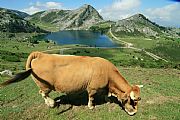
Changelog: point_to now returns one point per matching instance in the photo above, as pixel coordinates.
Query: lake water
(81, 37)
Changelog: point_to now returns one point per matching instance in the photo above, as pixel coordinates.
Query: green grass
(160, 99)
(143, 43)
(168, 49)
(102, 27)
(48, 27)
(124, 57)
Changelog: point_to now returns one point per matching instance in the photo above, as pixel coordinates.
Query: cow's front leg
(91, 94)
(107, 99)
(50, 102)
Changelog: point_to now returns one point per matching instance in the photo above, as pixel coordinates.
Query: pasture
(160, 100)
(160, 94)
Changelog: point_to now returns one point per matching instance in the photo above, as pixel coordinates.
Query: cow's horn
(140, 86)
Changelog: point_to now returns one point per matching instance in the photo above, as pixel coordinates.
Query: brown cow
(68, 74)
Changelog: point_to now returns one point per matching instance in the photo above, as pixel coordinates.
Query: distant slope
(11, 22)
(139, 25)
(81, 18)
(18, 13)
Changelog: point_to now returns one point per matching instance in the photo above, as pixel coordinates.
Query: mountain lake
(83, 37)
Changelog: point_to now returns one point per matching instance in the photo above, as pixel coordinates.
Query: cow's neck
(118, 83)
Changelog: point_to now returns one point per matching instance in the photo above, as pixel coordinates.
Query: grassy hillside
(42, 22)
(166, 48)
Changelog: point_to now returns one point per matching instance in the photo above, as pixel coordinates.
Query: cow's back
(71, 73)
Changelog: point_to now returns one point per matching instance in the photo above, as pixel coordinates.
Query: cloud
(120, 9)
(52, 5)
(167, 15)
(38, 6)
(31, 10)
(124, 5)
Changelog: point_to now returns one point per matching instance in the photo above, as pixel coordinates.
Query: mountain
(81, 18)
(18, 13)
(12, 21)
(139, 25)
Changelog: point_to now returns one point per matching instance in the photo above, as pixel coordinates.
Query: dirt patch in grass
(162, 99)
(149, 82)
(35, 112)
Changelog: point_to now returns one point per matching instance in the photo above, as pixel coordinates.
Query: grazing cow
(69, 74)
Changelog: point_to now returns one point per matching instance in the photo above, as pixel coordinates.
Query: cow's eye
(139, 98)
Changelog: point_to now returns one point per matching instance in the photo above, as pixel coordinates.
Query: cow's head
(130, 100)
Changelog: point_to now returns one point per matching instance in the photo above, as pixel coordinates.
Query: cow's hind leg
(91, 94)
(49, 101)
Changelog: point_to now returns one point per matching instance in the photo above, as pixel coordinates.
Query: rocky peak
(81, 18)
(138, 17)
(138, 24)
(86, 6)
(89, 11)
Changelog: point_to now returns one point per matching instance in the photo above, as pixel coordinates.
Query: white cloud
(31, 10)
(52, 5)
(120, 9)
(167, 15)
(38, 6)
(123, 5)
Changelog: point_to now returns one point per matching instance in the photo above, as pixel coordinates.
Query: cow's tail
(18, 77)
(21, 76)
(32, 56)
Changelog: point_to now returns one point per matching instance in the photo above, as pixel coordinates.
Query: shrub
(11, 58)
(33, 41)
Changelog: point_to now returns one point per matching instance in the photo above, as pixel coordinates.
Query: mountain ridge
(19, 13)
(139, 25)
(80, 18)
(12, 21)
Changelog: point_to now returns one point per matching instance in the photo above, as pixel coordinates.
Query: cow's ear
(140, 86)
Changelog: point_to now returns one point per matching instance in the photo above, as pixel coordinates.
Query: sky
(163, 12)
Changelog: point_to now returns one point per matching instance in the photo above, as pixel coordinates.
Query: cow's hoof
(107, 99)
(50, 102)
(51, 105)
(91, 107)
